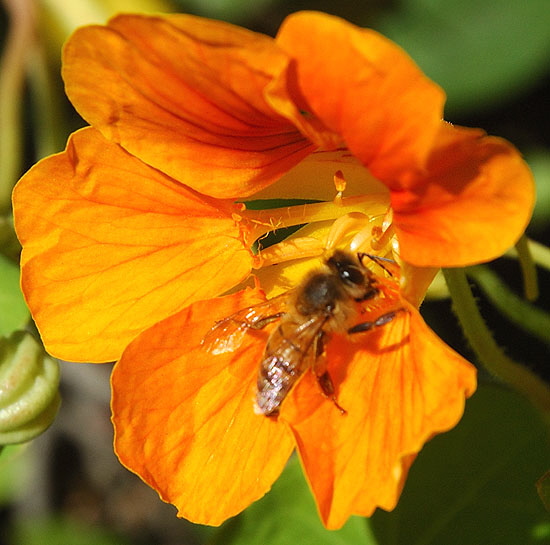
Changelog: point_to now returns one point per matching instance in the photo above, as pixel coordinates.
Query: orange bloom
(131, 235)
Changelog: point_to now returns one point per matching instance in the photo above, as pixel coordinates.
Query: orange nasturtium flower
(136, 241)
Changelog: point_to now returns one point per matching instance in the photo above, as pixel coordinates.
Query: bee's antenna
(376, 259)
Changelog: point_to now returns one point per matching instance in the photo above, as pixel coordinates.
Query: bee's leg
(327, 387)
(323, 377)
(380, 321)
(383, 262)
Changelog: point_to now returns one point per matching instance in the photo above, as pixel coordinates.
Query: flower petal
(184, 419)
(111, 246)
(185, 95)
(472, 205)
(399, 385)
(361, 86)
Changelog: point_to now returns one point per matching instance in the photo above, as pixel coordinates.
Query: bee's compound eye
(346, 268)
(351, 275)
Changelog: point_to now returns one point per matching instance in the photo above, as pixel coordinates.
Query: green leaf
(234, 11)
(481, 53)
(62, 532)
(287, 515)
(13, 310)
(476, 483)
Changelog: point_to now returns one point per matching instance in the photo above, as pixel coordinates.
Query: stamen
(381, 236)
(362, 241)
(289, 250)
(263, 221)
(343, 226)
(340, 184)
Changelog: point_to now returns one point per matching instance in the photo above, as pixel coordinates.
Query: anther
(340, 185)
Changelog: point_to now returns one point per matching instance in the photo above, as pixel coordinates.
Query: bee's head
(359, 282)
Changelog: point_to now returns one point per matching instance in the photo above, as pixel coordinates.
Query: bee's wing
(228, 334)
(291, 349)
(300, 338)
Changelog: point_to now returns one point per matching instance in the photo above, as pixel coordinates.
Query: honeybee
(327, 301)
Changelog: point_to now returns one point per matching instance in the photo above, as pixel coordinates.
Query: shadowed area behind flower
(237, 99)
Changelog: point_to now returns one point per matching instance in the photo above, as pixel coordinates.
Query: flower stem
(540, 253)
(518, 310)
(12, 72)
(528, 269)
(50, 127)
(490, 355)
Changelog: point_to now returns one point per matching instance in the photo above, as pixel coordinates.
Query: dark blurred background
(493, 59)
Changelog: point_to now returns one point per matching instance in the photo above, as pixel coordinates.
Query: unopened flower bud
(29, 397)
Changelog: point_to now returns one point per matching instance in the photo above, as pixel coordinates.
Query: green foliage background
(473, 485)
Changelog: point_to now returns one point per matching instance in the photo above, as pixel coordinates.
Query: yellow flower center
(360, 223)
